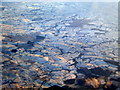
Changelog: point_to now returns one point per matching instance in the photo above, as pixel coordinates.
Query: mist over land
(59, 43)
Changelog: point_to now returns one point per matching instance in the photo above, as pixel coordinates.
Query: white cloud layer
(60, 0)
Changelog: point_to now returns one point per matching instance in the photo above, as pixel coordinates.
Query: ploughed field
(69, 44)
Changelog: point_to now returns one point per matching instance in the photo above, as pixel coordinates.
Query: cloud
(60, 0)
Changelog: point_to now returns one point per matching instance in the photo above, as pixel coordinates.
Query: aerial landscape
(59, 45)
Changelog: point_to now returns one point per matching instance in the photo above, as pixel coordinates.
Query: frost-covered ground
(45, 44)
